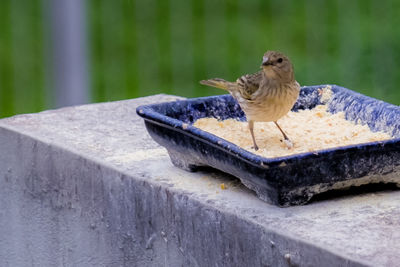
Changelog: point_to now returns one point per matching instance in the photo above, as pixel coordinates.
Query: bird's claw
(255, 147)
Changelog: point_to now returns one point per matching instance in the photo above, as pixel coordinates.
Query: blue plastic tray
(283, 181)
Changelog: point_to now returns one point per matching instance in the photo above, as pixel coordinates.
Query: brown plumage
(266, 95)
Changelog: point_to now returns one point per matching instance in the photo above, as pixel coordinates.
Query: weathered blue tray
(283, 181)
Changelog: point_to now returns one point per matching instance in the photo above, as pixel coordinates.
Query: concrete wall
(86, 186)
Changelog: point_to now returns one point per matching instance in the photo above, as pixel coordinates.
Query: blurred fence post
(68, 61)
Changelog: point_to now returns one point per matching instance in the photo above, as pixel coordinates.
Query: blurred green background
(143, 47)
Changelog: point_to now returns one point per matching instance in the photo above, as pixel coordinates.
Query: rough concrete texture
(86, 186)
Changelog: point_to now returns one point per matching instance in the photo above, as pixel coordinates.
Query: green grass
(143, 47)
(21, 58)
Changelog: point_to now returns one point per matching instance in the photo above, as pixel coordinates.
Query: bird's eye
(280, 60)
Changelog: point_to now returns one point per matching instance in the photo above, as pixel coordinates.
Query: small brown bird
(266, 95)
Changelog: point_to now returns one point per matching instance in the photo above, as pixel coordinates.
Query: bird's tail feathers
(218, 83)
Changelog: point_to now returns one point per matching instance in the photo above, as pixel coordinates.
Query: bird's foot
(255, 147)
(288, 143)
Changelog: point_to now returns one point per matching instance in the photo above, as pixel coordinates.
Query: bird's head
(276, 65)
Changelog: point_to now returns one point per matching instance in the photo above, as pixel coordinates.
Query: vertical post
(68, 63)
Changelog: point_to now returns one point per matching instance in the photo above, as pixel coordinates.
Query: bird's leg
(251, 126)
(287, 141)
(280, 129)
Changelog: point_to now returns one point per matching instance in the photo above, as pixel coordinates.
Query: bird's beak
(265, 61)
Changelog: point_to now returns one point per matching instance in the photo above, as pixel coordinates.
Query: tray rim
(148, 113)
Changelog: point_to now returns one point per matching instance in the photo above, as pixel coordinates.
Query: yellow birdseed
(309, 130)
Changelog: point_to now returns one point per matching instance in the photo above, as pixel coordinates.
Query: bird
(264, 96)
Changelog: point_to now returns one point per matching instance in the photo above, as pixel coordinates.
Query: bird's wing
(249, 83)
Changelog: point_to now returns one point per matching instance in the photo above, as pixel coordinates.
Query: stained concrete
(86, 186)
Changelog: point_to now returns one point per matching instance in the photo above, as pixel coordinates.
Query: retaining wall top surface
(364, 228)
